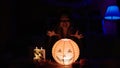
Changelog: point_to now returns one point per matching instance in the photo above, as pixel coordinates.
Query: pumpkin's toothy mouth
(64, 59)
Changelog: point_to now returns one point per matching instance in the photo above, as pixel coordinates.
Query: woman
(64, 29)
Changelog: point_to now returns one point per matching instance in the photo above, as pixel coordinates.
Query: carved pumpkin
(65, 51)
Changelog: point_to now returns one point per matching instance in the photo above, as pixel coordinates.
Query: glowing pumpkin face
(65, 51)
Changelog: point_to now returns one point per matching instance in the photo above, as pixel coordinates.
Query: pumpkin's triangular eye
(69, 51)
(59, 50)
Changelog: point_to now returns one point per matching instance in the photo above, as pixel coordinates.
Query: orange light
(39, 54)
(65, 51)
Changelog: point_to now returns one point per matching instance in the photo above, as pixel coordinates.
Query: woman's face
(64, 22)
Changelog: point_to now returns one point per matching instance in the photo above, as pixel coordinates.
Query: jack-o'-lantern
(65, 51)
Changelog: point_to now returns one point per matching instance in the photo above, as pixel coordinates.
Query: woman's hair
(63, 16)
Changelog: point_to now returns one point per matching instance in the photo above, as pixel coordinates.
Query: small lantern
(39, 54)
(65, 51)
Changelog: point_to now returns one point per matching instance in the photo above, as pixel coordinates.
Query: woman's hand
(77, 35)
(51, 33)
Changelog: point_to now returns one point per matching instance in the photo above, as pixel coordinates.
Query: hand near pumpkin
(51, 33)
(77, 35)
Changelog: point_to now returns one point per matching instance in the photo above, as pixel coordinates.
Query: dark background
(24, 25)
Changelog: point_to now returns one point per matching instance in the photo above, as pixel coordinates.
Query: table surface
(51, 64)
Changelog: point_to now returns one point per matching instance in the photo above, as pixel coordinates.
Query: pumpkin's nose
(64, 55)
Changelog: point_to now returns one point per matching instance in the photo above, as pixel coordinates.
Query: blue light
(103, 28)
(112, 17)
(112, 13)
